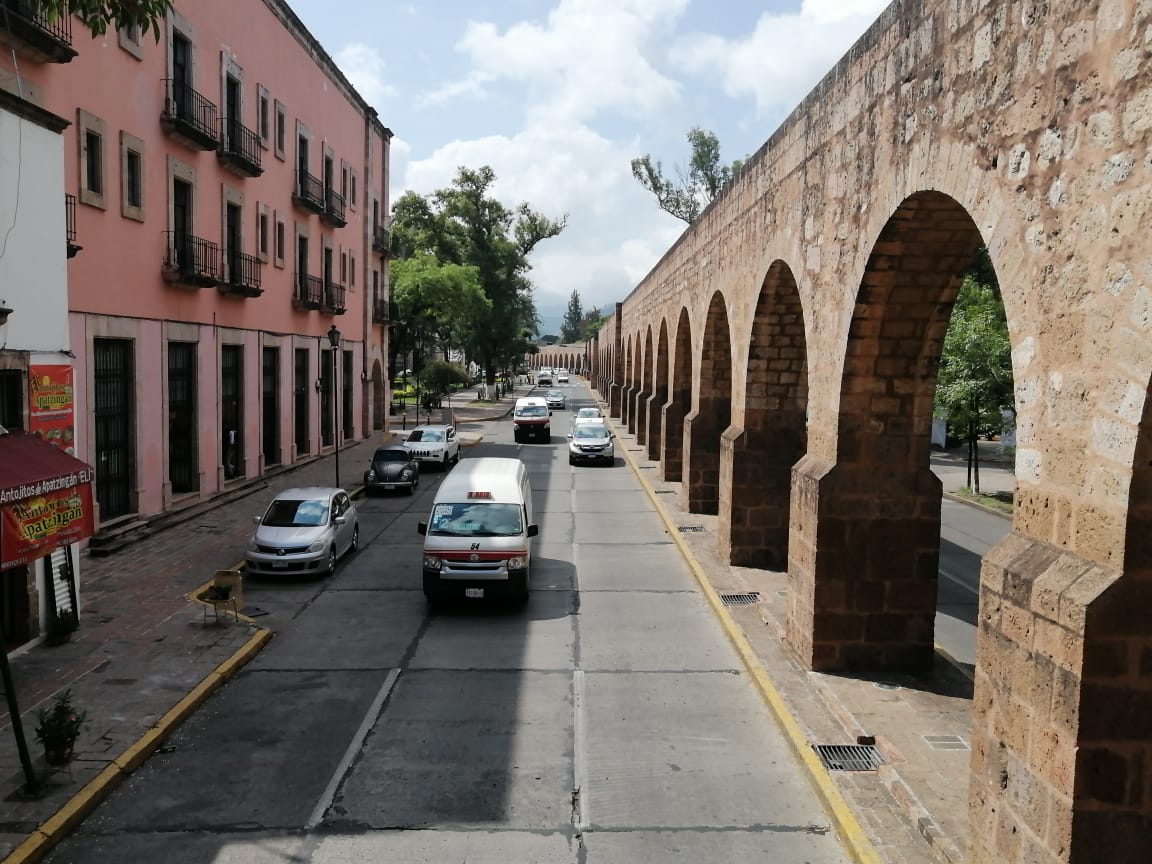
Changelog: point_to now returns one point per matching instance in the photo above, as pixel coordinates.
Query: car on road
(554, 398)
(392, 467)
(561, 376)
(531, 420)
(590, 442)
(434, 442)
(544, 378)
(304, 531)
(587, 415)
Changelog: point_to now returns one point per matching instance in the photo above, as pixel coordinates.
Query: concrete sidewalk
(145, 655)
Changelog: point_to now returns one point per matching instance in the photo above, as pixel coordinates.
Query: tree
(462, 224)
(687, 196)
(572, 329)
(98, 15)
(593, 320)
(974, 383)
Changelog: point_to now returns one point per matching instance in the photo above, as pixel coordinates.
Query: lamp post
(334, 341)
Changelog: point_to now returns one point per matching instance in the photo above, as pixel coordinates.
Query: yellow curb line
(852, 834)
(53, 829)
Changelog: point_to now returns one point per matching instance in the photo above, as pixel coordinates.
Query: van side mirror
(422, 527)
(256, 520)
(533, 530)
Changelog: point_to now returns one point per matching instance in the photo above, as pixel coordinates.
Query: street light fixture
(334, 341)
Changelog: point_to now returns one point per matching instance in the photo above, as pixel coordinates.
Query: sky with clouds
(558, 97)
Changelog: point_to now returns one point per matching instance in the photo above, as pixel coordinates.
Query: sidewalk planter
(58, 727)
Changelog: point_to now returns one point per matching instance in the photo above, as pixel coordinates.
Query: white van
(531, 418)
(478, 536)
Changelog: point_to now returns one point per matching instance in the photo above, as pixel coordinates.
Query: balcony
(241, 275)
(70, 225)
(35, 34)
(309, 291)
(191, 261)
(334, 298)
(382, 312)
(308, 193)
(189, 117)
(333, 209)
(381, 239)
(240, 150)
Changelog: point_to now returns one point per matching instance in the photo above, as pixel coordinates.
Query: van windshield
(532, 411)
(476, 520)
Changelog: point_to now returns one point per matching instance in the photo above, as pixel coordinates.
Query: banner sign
(33, 526)
(50, 406)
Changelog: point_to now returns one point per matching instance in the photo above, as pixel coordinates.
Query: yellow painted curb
(852, 834)
(50, 832)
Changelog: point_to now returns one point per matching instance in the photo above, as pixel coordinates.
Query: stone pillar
(1061, 766)
(755, 480)
(863, 559)
(615, 394)
(626, 403)
(653, 415)
(672, 435)
(641, 417)
(700, 492)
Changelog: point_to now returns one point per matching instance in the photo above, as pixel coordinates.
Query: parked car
(304, 531)
(436, 443)
(554, 398)
(392, 467)
(591, 442)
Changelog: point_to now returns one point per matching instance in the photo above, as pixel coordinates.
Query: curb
(951, 496)
(851, 833)
(54, 829)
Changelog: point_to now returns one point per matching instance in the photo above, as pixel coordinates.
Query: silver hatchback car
(305, 531)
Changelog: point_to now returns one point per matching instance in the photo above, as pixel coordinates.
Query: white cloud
(785, 56)
(364, 67)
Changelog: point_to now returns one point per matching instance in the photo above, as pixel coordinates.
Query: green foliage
(440, 377)
(572, 329)
(463, 225)
(61, 720)
(974, 383)
(687, 195)
(98, 15)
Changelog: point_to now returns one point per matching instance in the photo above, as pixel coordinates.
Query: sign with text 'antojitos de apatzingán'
(45, 499)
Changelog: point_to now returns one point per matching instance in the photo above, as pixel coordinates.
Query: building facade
(231, 195)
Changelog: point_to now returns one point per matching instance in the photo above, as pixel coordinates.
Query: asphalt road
(608, 721)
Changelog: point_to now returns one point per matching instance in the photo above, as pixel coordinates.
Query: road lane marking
(959, 581)
(580, 815)
(353, 749)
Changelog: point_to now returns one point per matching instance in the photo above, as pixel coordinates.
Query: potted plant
(63, 625)
(60, 723)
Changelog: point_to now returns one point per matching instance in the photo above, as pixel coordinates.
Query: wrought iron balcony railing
(240, 149)
(189, 117)
(309, 291)
(308, 192)
(334, 298)
(70, 225)
(381, 239)
(191, 260)
(334, 205)
(381, 312)
(241, 275)
(35, 34)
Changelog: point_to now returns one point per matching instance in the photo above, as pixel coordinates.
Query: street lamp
(334, 341)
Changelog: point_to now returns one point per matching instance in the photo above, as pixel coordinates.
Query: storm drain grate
(849, 757)
(747, 599)
(691, 529)
(665, 491)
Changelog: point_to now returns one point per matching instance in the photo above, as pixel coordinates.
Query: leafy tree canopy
(572, 328)
(98, 15)
(691, 191)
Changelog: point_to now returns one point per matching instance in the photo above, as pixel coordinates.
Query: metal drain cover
(849, 757)
(691, 529)
(740, 599)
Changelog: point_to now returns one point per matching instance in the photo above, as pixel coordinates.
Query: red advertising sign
(34, 526)
(50, 406)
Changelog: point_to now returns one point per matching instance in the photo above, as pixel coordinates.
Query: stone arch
(866, 529)
(773, 435)
(712, 416)
(643, 389)
(679, 402)
(659, 398)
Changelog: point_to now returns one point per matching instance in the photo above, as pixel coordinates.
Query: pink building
(232, 197)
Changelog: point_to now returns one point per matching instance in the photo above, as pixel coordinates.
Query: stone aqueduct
(780, 361)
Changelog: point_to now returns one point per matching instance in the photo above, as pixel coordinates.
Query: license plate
(473, 592)
(279, 563)
(389, 485)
